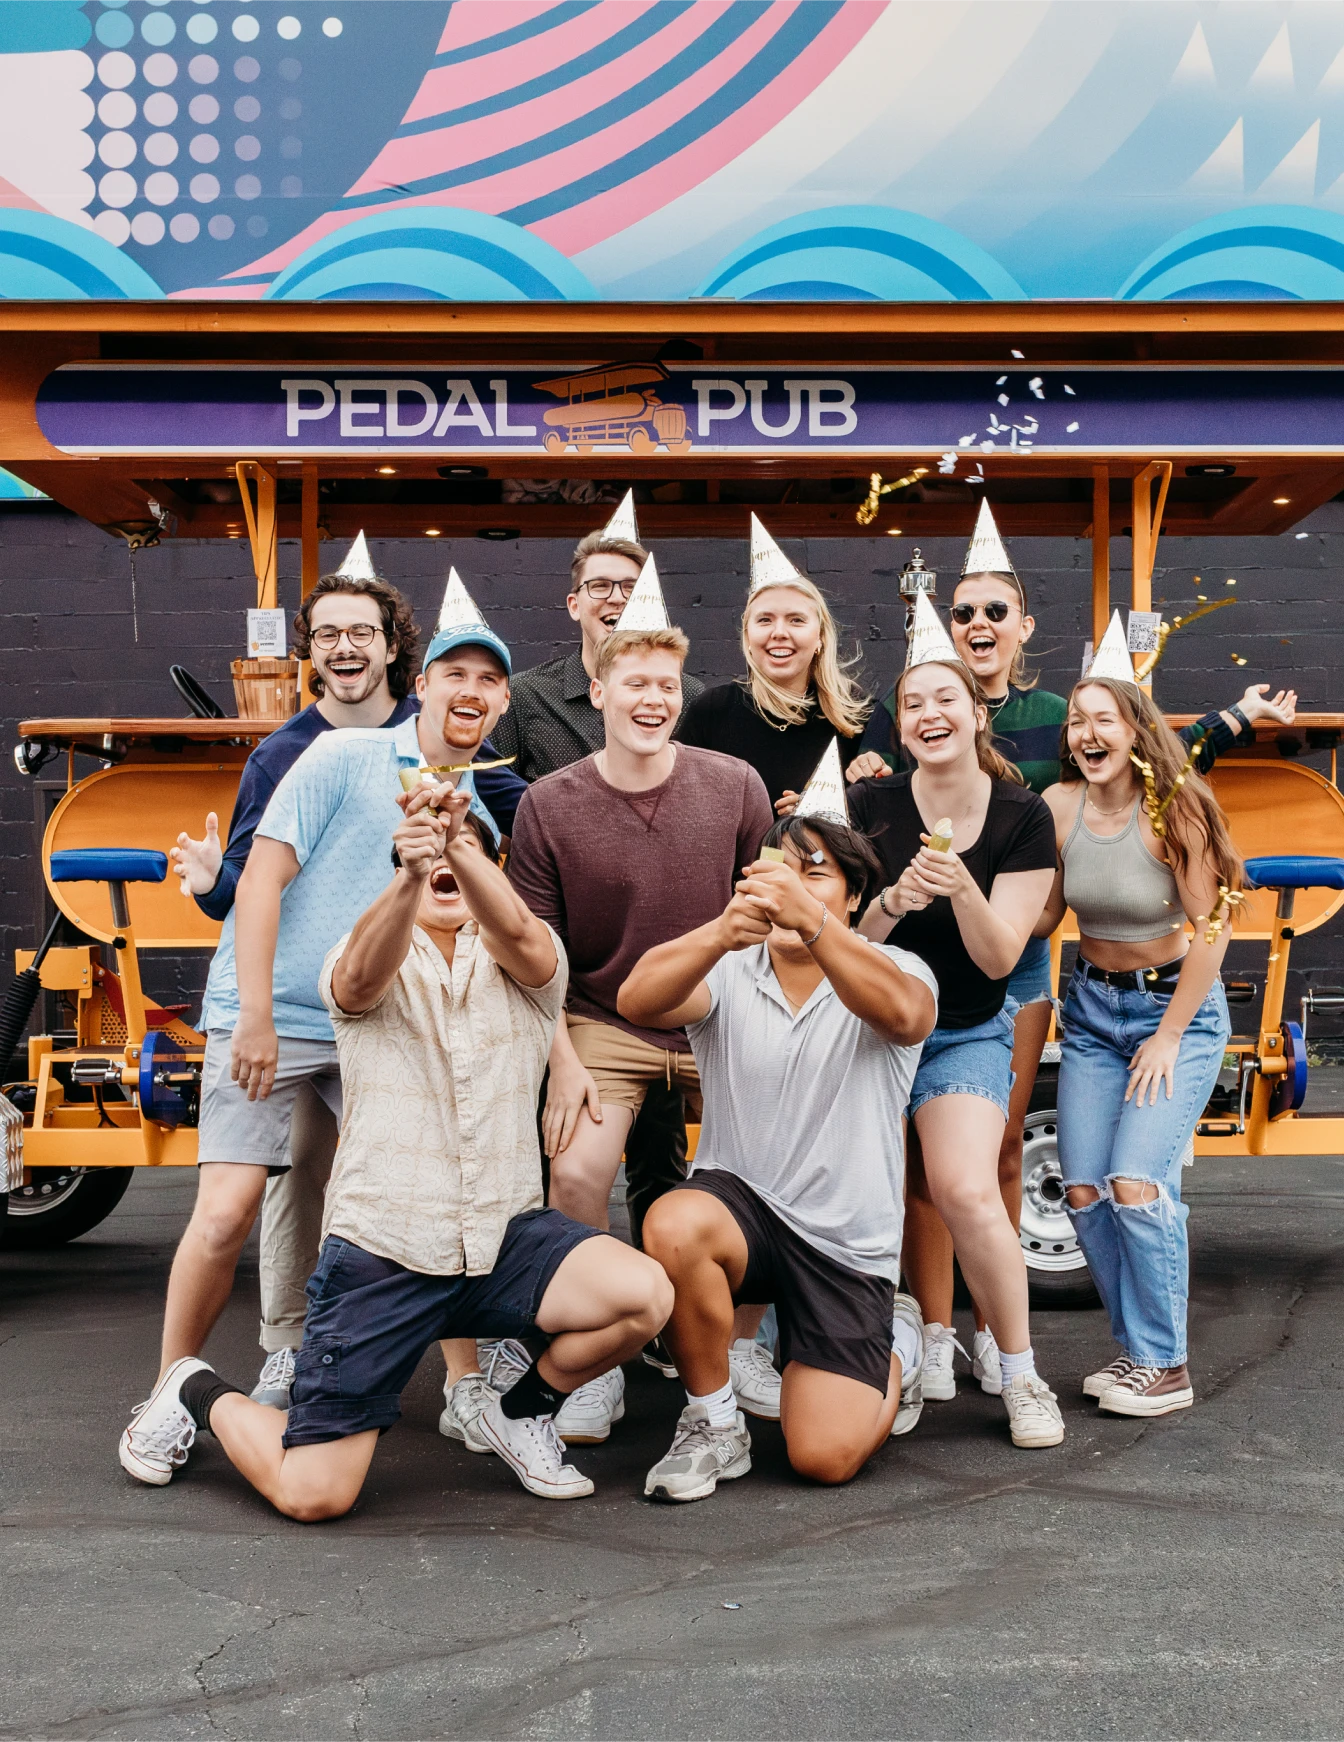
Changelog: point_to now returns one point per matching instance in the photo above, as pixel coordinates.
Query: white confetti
(1029, 425)
(1037, 386)
(966, 441)
(1003, 399)
(948, 462)
(978, 479)
(1069, 391)
(1070, 428)
(1001, 380)
(987, 447)
(1301, 535)
(1017, 353)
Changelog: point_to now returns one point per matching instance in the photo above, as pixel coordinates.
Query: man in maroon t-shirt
(635, 845)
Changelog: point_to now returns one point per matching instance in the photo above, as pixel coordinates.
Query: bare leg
(602, 1305)
(1030, 1028)
(833, 1424)
(459, 1354)
(960, 1136)
(926, 1255)
(700, 1246)
(584, 1172)
(309, 1483)
(201, 1281)
(747, 1320)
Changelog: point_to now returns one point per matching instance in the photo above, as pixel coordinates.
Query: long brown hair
(1018, 675)
(991, 763)
(837, 695)
(1195, 824)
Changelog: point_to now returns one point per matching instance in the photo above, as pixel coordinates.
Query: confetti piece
(1201, 597)
(987, 447)
(1001, 380)
(978, 479)
(1237, 659)
(1070, 428)
(1037, 386)
(1301, 535)
(1017, 353)
(966, 441)
(1229, 583)
(948, 462)
(1069, 391)
(730, 1605)
(1003, 399)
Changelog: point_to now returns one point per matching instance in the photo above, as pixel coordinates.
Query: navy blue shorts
(370, 1320)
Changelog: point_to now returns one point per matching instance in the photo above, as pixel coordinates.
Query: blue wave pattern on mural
(47, 258)
(1262, 251)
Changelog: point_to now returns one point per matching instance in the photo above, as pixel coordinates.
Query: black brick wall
(72, 644)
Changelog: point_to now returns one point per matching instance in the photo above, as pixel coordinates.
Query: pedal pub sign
(644, 408)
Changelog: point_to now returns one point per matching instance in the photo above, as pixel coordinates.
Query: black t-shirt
(1019, 835)
(726, 719)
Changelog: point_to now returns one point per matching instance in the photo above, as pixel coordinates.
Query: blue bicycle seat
(108, 865)
(1295, 871)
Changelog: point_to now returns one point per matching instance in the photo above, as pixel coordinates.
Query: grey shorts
(256, 1133)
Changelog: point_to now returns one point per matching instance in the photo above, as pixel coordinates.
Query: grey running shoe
(756, 1380)
(700, 1457)
(503, 1363)
(1098, 1383)
(462, 1405)
(911, 1407)
(276, 1378)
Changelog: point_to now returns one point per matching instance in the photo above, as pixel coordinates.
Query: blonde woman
(796, 697)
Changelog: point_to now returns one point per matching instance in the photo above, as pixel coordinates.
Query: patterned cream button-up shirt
(440, 1082)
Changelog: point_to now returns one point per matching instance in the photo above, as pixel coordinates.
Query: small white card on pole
(1087, 660)
(266, 634)
(1144, 627)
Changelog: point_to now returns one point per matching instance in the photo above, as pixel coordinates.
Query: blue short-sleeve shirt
(336, 807)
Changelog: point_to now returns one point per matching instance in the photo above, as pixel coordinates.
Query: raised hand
(196, 864)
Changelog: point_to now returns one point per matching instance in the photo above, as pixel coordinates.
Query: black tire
(1057, 1273)
(60, 1204)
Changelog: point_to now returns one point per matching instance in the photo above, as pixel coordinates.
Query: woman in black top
(968, 912)
(796, 696)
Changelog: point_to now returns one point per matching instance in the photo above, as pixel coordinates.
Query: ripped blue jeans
(1137, 1253)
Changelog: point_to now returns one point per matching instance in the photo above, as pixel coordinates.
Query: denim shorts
(968, 1061)
(1029, 982)
(370, 1320)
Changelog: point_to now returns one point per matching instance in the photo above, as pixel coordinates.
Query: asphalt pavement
(1180, 1578)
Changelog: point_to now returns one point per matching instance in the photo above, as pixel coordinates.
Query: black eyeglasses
(358, 635)
(601, 590)
(995, 612)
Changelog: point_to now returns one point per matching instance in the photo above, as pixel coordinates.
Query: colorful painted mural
(633, 149)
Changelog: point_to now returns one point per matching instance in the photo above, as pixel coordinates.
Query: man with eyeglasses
(361, 636)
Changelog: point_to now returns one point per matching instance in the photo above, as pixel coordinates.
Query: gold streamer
(867, 514)
(1155, 807)
(1228, 900)
(1148, 664)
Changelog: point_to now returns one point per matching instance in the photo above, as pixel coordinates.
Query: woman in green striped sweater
(991, 626)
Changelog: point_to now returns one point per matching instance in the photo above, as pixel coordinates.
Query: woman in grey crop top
(1145, 1019)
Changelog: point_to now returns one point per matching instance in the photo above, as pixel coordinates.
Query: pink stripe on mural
(402, 161)
(444, 88)
(472, 21)
(500, 193)
(234, 292)
(585, 225)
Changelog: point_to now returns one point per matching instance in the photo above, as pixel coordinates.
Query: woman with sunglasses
(797, 695)
(966, 903)
(991, 626)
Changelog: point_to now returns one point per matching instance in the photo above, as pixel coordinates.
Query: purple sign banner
(959, 414)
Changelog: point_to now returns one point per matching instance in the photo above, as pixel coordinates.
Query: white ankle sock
(905, 1345)
(721, 1405)
(1011, 1365)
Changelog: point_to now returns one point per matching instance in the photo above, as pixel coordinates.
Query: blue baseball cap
(468, 635)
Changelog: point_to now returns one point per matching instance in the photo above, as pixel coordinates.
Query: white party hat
(985, 554)
(928, 639)
(459, 610)
(769, 566)
(1112, 657)
(622, 523)
(645, 609)
(358, 564)
(824, 794)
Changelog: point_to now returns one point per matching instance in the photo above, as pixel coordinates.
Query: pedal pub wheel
(56, 1204)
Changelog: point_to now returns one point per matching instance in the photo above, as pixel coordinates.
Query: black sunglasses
(995, 612)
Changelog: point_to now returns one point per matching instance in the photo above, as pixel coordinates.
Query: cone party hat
(769, 566)
(645, 609)
(623, 523)
(824, 794)
(985, 554)
(358, 564)
(928, 639)
(1112, 657)
(459, 610)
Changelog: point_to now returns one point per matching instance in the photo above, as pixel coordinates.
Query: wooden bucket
(266, 689)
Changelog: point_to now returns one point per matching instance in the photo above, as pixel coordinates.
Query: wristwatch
(1239, 717)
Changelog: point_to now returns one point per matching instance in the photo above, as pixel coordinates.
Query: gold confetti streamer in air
(1228, 900)
(1149, 663)
(867, 514)
(1155, 807)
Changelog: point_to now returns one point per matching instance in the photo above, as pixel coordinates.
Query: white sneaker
(586, 1415)
(940, 1345)
(503, 1363)
(700, 1457)
(911, 1406)
(531, 1448)
(1033, 1411)
(277, 1375)
(755, 1378)
(161, 1432)
(462, 1405)
(985, 1362)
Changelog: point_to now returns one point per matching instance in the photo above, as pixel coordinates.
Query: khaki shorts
(623, 1066)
